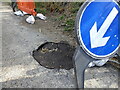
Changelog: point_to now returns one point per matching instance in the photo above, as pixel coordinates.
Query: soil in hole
(55, 55)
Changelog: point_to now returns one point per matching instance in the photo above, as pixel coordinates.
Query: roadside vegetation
(64, 12)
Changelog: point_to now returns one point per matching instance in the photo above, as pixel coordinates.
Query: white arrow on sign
(96, 37)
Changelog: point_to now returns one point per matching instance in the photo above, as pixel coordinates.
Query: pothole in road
(55, 55)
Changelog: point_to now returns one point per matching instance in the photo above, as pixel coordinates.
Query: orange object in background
(27, 6)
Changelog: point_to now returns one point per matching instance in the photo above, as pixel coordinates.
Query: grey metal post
(81, 61)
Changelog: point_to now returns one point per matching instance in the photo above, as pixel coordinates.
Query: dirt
(116, 61)
(55, 55)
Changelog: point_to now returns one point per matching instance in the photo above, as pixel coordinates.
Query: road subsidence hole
(55, 55)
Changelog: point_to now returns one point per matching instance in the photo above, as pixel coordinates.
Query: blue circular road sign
(97, 26)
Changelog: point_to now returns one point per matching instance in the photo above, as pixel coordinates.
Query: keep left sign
(99, 27)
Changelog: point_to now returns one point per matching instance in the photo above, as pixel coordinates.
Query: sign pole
(81, 61)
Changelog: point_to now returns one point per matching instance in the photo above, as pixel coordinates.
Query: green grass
(69, 25)
(62, 17)
(66, 12)
(41, 10)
